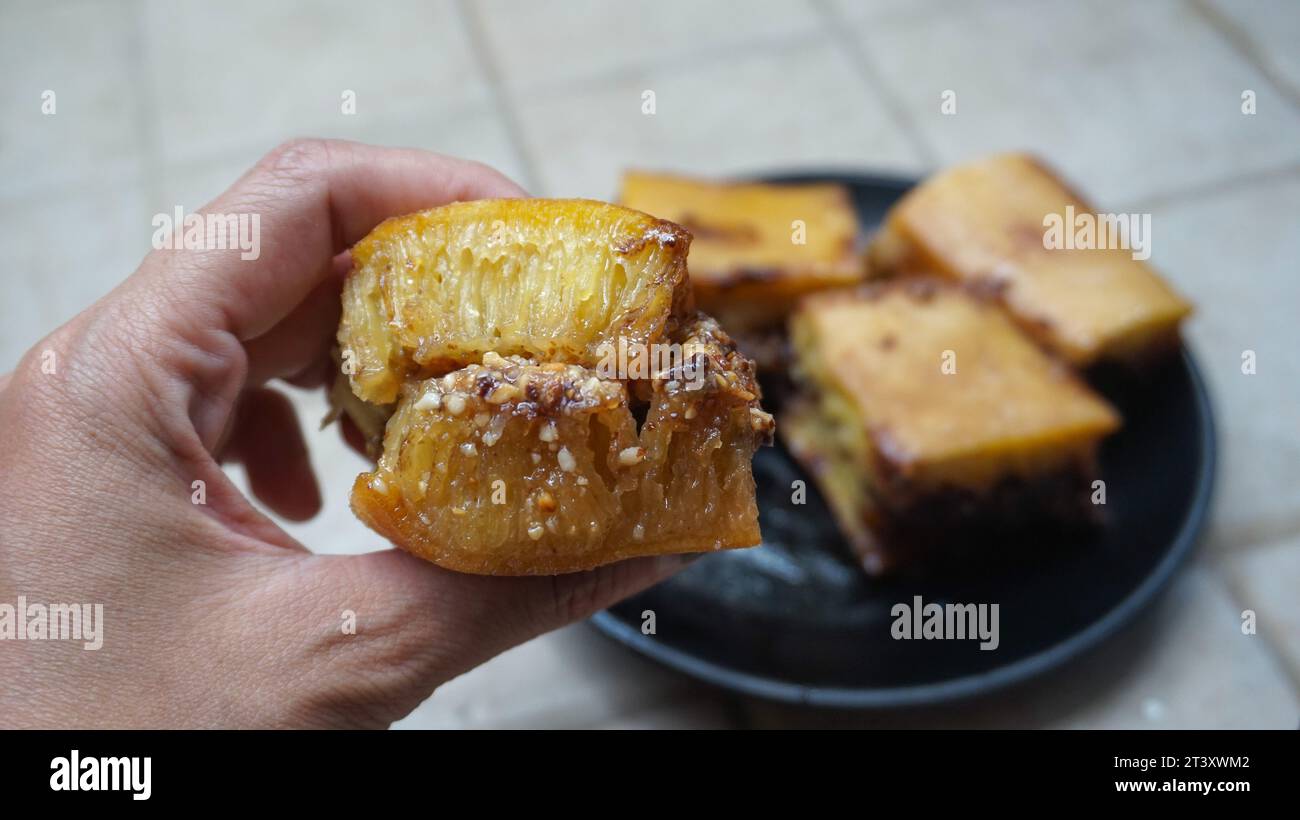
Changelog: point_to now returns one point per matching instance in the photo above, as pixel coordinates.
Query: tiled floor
(164, 103)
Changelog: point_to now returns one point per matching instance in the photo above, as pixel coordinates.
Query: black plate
(793, 620)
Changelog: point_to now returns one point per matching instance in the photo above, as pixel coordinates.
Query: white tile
(541, 43)
(1234, 255)
(80, 52)
(62, 252)
(252, 73)
(1185, 664)
(471, 132)
(196, 183)
(335, 530)
(569, 678)
(1193, 669)
(474, 132)
(1271, 29)
(1266, 581)
(1128, 102)
(876, 10)
(798, 106)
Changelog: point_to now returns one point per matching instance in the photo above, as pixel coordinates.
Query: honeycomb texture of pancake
(548, 279)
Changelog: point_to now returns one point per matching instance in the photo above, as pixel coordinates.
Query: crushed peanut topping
(503, 393)
(432, 400)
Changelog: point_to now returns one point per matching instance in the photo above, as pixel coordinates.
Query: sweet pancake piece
(546, 279)
(925, 414)
(984, 224)
(756, 247)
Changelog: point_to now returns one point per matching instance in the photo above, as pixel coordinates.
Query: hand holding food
(113, 491)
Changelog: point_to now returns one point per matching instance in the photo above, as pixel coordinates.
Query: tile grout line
(237, 150)
(1274, 535)
(501, 101)
(1233, 184)
(143, 113)
(1229, 185)
(1245, 47)
(764, 45)
(840, 32)
(1279, 532)
(1221, 566)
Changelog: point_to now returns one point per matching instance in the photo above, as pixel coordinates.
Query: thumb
(418, 625)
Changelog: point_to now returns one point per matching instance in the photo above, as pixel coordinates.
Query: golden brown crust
(982, 223)
(883, 348)
(578, 484)
(747, 267)
(375, 511)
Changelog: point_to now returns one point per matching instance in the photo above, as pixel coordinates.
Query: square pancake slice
(755, 247)
(985, 223)
(928, 418)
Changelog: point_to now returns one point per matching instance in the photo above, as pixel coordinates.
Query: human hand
(212, 614)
